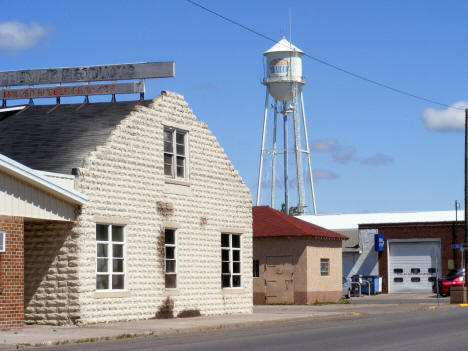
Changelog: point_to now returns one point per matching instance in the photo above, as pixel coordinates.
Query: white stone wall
(124, 181)
(50, 273)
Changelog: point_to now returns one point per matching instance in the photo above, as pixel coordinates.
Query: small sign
(379, 242)
(73, 90)
(457, 246)
(2, 241)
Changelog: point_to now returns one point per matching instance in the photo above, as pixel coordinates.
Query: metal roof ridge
(42, 181)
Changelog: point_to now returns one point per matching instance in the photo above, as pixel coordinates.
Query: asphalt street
(438, 329)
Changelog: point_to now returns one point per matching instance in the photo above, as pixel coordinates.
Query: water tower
(284, 81)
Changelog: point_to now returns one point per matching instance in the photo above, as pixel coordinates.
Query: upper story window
(175, 153)
(110, 270)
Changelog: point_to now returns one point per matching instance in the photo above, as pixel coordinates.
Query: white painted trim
(40, 181)
(3, 240)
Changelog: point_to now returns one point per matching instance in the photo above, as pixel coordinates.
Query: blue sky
(381, 154)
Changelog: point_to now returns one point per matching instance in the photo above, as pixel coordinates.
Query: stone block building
(166, 214)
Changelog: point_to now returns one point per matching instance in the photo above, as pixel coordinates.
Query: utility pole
(465, 244)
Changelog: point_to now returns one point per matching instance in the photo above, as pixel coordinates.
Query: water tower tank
(284, 68)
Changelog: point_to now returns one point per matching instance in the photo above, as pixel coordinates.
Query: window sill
(177, 182)
(111, 294)
(232, 291)
(171, 292)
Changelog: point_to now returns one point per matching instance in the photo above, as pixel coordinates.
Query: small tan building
(295, 262)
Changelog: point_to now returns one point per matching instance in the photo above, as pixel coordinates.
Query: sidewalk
(50, 335)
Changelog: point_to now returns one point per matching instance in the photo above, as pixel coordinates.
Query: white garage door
(413, 265)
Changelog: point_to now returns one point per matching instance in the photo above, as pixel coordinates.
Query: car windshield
(453, 273)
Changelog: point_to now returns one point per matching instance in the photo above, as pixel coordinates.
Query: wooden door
(279, 280)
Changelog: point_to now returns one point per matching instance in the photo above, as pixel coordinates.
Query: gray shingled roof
(60, 139)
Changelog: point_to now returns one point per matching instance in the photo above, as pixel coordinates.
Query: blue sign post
(379, 243)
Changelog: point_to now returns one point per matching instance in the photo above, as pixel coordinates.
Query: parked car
(347, 287)
(455, 277)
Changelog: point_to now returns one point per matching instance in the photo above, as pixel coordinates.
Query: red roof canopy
(269, 222)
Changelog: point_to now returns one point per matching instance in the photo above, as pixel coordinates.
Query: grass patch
(189, 313)
(341, 302)
(125, 336)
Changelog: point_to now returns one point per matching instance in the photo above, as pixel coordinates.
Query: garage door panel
(412, 266)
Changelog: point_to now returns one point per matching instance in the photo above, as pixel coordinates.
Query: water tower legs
(308, 154)
(259, 184)
(273, 161)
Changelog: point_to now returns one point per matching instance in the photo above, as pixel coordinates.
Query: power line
(328, 64)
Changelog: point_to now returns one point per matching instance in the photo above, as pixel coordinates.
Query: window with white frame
(2, 241)
(110, 245)
(324, 267)
(170, 259)
(230, 260)
(175, 153)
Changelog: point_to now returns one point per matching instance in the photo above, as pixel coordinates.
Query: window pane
(102, 265)
(180, 138)
(117, 250)
(398, 270)
(170, 266)
(226, 281)
(167, 165)
(398, 280)
(236, 281)
(225, 267)
(170, 252)
(168, 139)
(180, 149)
(117, 233)
(236, 255)
(431, 270)
(102, 232)
(167, 146)
(415, 270)
(225, 255)
(117, 265)
(117, 281)
(171, 282)
(236, 241)
(169, 236)
(102, 250)
(180, 166)
(102, 281)
(236, 267)
(224, 240)
(415, 279)
(256, 269)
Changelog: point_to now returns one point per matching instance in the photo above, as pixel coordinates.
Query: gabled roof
(283, 46)
(268, 222)
(57, 138)
(38, 180)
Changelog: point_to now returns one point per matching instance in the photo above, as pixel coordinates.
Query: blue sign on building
(379, 242)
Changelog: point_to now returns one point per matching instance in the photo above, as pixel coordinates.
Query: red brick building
(415, 253)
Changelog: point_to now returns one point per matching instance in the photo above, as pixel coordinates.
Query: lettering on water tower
(279, 67)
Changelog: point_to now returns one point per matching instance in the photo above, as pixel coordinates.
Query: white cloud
(449, 119)
(324, 145)
(377, 160)
(15, 35)
(323, 174)
(344, 155)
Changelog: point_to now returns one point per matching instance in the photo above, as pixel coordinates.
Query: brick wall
(12, 274)
(448, 232)
(50, 271)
